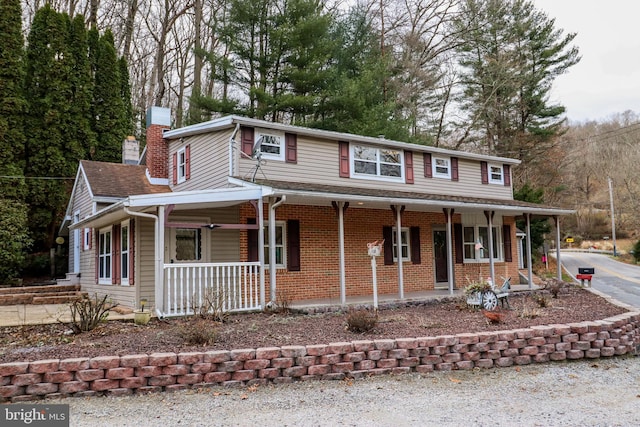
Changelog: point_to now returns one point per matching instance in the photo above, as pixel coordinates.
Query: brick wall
(125, 375)
(157, 152)
(319, 275)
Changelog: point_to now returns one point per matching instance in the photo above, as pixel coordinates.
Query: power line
(36, 177)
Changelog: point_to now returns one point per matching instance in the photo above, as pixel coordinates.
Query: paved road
(616, 279)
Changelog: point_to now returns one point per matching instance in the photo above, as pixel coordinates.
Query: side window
(270, 144)
(281, 244)
(376, 163)
(182, 165)
(441, 167)
(104, 256)
(476, 243)
(496, 174)
(404, 245)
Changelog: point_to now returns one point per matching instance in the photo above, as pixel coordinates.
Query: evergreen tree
(110, 118)
(14, 239)
(511, 53)
(51, 150)
(125, 94)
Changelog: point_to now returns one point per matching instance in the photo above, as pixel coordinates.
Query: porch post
(160, 288)
(399, 210)
(489, 215)
(529, 257)
(557, 220)
(261, 250)
(343, 286)
(449, 213)
(272, 250)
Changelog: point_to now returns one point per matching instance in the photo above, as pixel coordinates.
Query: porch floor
(390, 298)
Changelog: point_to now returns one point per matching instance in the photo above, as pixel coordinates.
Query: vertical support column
(260, 215)
(343, 287)
(489, 215)
(398, 211)
(272, 250)
(160, 279)
(557, 221)
(449, 213)
(529, 256)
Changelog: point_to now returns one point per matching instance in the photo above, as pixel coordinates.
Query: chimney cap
(158, 116)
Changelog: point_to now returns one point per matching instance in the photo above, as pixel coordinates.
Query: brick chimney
(158, 119)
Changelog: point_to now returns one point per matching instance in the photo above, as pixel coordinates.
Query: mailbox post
(374, 250)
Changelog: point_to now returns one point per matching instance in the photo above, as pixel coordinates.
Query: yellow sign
(569, 239)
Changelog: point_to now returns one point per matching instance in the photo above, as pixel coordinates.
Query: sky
(607, 79)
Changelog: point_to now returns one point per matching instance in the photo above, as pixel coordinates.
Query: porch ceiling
(323, 195)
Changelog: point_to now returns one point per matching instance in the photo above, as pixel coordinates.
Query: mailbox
(586, 270)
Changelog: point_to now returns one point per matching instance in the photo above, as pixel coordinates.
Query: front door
(440, 254)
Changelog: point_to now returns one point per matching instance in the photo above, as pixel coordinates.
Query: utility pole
(613, 218)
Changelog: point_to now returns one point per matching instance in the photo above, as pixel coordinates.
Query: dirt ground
(428, 318)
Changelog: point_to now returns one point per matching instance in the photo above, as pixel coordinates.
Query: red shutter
(252, 242)
(506, 239)
(457, 243)
(247, 140)
(132, 253)
(187, 162)
(408, 167)
(414, 235)
(454, 169)
(484, 172)
(116, 259)
(344, 159)
(506, 170)
(175, 168)
(293, 245)
(388, 245)
(428, 173)
(291, 143)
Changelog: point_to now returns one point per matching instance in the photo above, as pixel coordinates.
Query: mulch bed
(428, 318)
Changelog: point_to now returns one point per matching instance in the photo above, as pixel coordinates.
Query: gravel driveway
(586, 393)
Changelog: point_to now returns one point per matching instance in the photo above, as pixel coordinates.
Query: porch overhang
(324, 195)
(202, 199)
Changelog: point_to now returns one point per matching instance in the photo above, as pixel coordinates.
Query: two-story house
(258, 211)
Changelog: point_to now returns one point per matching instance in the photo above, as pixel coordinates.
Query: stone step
(40, 298)
(39, 289)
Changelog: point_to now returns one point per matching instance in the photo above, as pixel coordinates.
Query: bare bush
(87, 313)
(360, 321)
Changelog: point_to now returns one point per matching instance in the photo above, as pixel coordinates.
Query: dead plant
(554, 286)
(211, 305)
(541, 299)
(361, 320)
(87, 313)
(283, 302)
(198, 332)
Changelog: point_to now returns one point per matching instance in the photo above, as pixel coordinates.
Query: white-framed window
(270, 144)
(496, 174)
(86, 239)
(476, 243)
(281, 245)
(182, 164)
(124, 252)
(377, 163)
(104, 256)
(404, 244)
(441, 167)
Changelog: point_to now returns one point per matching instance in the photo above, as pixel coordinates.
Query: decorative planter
(141, 317)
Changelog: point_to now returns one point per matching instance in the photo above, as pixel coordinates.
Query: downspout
(232, 141)
(157, 252)
(559, 262)
(399, 241)
(529, 256)
(272, 245)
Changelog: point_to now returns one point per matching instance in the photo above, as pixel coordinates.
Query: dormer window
(270, 144)
(382, 163)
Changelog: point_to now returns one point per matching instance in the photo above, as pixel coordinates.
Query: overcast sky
(607, 79)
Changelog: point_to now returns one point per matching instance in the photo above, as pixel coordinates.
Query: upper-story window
(182, 165)
(441, 167)
(496, 174)
(270, 144)
(383, 163)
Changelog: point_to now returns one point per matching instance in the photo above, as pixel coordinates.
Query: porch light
(211, 226)
(143, 302)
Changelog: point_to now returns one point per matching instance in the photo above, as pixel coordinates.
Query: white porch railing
(232, 286)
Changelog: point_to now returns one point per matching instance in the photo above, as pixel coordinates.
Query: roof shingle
(119, 180)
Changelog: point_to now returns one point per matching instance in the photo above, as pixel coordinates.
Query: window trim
(105, 274)
(405, 237)
(125, 250)
(283, 265)
(434, 167)
(205, 238)
(377, 176)
(498, 244)
(281, 156)
(181, 165)
(500, 181)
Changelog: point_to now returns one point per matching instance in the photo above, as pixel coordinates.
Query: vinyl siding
(81, 202)
(145, 260)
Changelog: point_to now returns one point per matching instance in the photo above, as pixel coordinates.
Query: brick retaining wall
(145, 373)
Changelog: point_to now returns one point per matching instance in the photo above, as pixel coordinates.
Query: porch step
(53, 294)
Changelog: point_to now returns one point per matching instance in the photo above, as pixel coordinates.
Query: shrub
(14, 237)
(360, 321)
(198, 332)
(87, 313)
(211, 306)
(636, 251)
(541, 299)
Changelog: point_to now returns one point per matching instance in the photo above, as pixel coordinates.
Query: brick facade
(319, 277)
(157, 152)
(24, 381)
